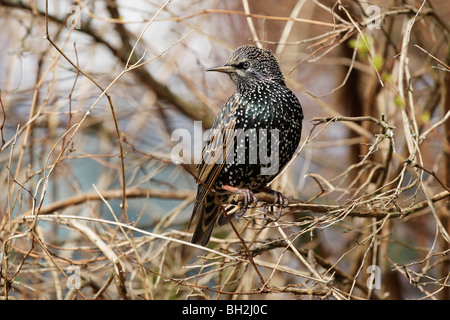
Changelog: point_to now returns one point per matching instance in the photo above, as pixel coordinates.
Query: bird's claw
(282, 201)
(250, 201)
(279, 200)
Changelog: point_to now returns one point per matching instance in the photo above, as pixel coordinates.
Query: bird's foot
(249, 198)
(281, 200)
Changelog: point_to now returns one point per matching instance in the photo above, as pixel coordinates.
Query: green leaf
(399, 101)
(425, 117)
(378, 62)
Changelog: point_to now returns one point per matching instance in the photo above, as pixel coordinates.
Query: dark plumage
(263, 118)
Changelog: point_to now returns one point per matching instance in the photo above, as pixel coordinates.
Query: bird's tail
(209, 211)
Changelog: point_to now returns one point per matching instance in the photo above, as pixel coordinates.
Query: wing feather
(219, 146)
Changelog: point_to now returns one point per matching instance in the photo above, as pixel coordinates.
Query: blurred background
(93, 207)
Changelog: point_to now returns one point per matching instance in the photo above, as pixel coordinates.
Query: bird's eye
(245, 65)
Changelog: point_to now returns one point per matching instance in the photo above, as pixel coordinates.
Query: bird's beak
(224, 69)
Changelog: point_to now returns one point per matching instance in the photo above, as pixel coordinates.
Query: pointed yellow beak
(224, 69)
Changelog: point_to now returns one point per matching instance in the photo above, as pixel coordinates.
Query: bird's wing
(217, 149)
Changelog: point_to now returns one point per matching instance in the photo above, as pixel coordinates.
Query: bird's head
(249, 64)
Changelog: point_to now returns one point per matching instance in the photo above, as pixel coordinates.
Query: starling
(253, 138)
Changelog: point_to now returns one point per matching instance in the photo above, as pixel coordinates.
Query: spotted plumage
(252, 139)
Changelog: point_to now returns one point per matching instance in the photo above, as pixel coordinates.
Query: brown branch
(113, 194)
(362, 211)
(3, 121)
(430, 172)
(381, 123)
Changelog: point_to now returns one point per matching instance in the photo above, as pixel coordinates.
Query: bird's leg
(281, 200)
(249, 198)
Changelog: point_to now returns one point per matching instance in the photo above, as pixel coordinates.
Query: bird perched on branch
(253, 138)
